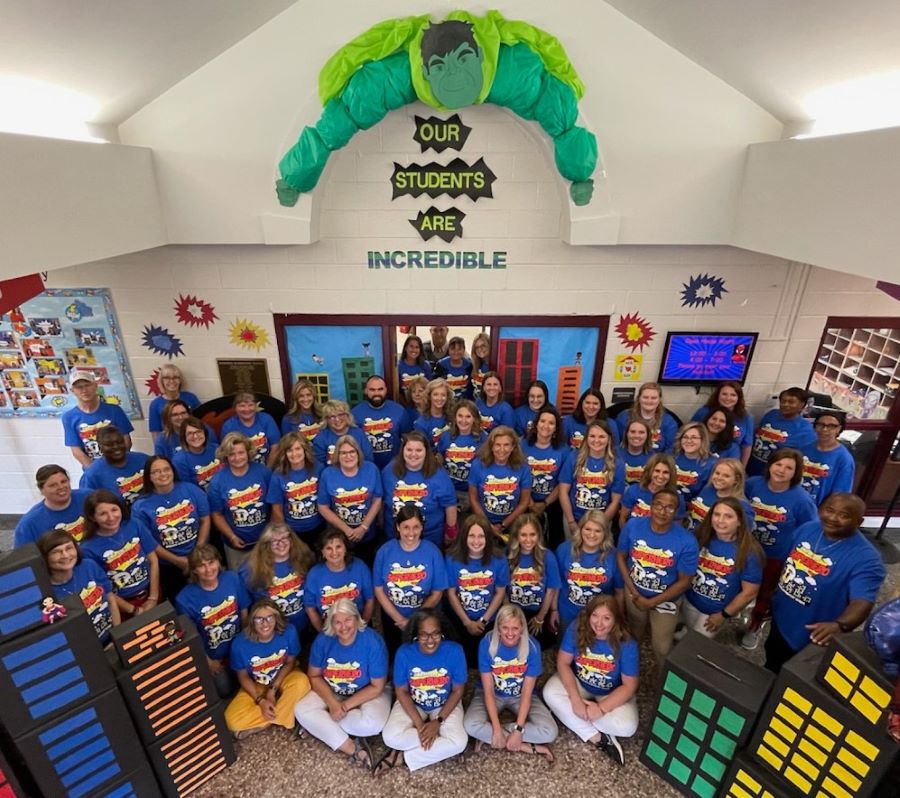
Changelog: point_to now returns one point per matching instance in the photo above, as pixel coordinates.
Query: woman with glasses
(173, 416)
(339, 423)
(426, 724)
(538, 396)
(255, 425)
(692, 459)
(264, 657)
(828, 466)
(196, 462)
(170, 381)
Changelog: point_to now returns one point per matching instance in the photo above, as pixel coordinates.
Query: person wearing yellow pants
(264, 656)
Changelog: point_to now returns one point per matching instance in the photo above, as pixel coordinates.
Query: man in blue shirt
(81, 423)
(382, 419)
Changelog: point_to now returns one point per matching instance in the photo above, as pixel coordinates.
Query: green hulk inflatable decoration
(465, 60)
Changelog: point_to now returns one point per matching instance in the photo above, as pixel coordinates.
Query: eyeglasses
(822, 425)
(261, 619)
(429, 636)
(275, 541)
(195, 433)
(336, 416)
(664, 508)
(691, 438)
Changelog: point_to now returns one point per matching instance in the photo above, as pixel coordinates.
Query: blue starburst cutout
(161, 341)
(702, 290)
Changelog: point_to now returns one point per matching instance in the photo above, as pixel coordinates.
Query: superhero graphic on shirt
(509, 675)
(802, 570)
(342, 677)
(246, 506)
(500, 494)
(767, 517)
(594, 669)
(403, 585)
(88, 435)
(633, 473)
(592, 490)
(220, 622)
(458, 461)
(687, 480)
(205, 473)
(74, 528)
(525, 588)
(378, 431)
(351, 505)
(126, 566)
(542, 472)
(176, 525)
(404, 493)
(814, 474)
(640, 510)
(475, 589)
(767, 440)
(711, 579)
(287, 593)
(583, 583)
(94, 600)
(130, 486)
(261, 444)
(300, 498)
(429, 689)
(331, 594)
(264, 670)
(649, 566)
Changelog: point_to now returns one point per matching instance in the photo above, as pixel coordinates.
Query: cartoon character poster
(43, 339)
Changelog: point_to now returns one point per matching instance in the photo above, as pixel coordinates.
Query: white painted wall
(785, 302)
(830, 201)
(64, 202)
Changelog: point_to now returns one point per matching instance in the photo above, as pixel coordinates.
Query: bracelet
(725, 614)
(439, 719)
(518, 728)
(260, 697)
(540, 620)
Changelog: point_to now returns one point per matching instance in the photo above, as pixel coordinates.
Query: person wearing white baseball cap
(81, 423)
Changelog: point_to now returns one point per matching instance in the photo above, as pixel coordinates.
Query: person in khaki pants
(657, 559)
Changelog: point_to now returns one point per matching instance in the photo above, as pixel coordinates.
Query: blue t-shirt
(820, 578)
(154, 414)
(351, 497)
(508, 671)
(430, 678)
(499, 415)
(459, 453)
(597, 668)
(285, 589)
(692, 474)
(777, 515)
(574, 432)
(432, 495)
(407, 373)
(829, 472)
(743, 428)
(409, 577)
(170, 445)
(305, 423)
(198, 468)
(80, 428)
(347, 669)
(324, 586)
(478, 378)
(216, 613)
(432, 427)
(524, 418)
(718, 580)
(527, 586)
(124, 557)
(583, 576)
(775, 432)
(655, 561)
(126, 481)
(262, 432)
(263, 661)
(546, 466)
(499, 487)
(475, 584)
(593, 488)
(638, 500)
(90, 583)
(40, 519)
(383, 427)
(459, 378)
(661, 438)
(242, 500)
(174, 518)
(326, 440)
(700, 505)
(634, 464)
(732, 450)
(297, 493)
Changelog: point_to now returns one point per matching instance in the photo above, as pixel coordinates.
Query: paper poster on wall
(337, 360)
(43, 339)
(248, 335)
(194, 312)
(628, 368)
(702, 290)
(634, 332)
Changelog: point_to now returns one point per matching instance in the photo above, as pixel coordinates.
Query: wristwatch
(518, 728)
(725, 614)
(844, 627)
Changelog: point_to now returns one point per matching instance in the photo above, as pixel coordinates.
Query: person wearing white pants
(426, 723)
(350, 698)
(509, 662)
(593, 690)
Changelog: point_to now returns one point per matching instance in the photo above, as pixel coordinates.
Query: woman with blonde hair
(415, 400)
(277, 569)
(339, 422)
(294, 487)
(458, 447)
(255, 424)
(593, 478)
(304, 415)
(481, 352)
(726, 480)
(692, 459)
(170, 381)
(437, 410)
(533, 578)
(648, 405)
(509, 664)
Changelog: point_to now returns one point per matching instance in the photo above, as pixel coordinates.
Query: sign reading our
(446, 225)
(455, 179)
(441, 134)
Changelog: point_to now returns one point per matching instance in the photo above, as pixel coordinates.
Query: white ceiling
(124, 53)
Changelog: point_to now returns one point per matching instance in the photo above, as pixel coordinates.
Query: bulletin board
(43, 339)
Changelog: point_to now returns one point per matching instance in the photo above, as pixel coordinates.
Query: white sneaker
(752, 637)
(612, 748)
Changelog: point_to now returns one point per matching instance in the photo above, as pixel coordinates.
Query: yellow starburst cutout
(248, 335)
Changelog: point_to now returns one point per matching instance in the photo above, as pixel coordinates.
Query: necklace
(829, 546)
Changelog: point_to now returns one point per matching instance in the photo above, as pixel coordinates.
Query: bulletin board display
(43, 339)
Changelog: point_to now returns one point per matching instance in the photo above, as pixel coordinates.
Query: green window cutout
(679, 771)
(722, 745)
(663, 730)
(669, 708)
(703, 788)
(695, 726)
(687, 748)
(709, 764)
(655, 753)
(703, 704)
(731, 721)
(675, 685)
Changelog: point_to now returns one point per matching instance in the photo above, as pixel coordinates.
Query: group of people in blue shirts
(481, 533)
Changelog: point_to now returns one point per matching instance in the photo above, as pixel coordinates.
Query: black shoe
(611, 747)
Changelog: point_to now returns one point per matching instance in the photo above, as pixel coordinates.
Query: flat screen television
(704, 358)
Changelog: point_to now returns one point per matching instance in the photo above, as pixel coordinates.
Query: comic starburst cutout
(248, 335)
(161, 341)
(194, 312)
(702, 290)
(152, 383)
(634, 332)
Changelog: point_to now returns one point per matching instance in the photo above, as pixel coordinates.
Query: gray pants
(540, 728)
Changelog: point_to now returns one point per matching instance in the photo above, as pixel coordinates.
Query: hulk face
(455, 78)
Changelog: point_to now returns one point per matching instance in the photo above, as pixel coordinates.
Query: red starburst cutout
(152, 383)
(194, 312)
(634, 332)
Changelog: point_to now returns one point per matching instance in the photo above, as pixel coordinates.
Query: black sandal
(389, 760)
(362, 754)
